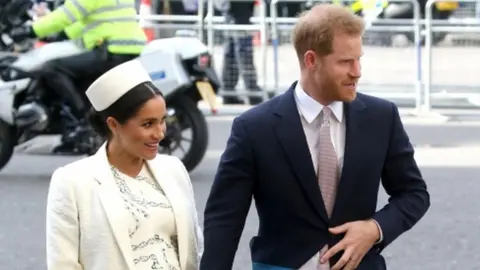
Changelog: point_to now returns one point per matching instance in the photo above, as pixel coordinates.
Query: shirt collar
(310, 108)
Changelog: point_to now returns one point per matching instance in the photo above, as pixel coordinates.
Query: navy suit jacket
(267, 158)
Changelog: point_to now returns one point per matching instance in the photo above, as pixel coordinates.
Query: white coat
(84, 231)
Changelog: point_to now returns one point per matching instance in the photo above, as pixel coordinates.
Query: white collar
(310, 108)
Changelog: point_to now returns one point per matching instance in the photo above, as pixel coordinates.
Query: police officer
(107, 29)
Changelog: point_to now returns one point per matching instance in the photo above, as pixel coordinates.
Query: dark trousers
(71, 76)
(239, 58)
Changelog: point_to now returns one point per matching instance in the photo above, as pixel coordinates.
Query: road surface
(447, 237)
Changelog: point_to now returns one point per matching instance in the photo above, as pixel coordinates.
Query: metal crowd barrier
(378, 81)
(385, 70)
(257, 69)
(456, 69)
(456, 84)
(212, 25)
(276, 78)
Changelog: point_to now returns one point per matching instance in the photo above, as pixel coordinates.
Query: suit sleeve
(69, 13)
(229, 201)
(62, 224)
(194, 263)
(409, 199)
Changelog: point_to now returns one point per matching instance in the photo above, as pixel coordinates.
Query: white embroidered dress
(151, 221)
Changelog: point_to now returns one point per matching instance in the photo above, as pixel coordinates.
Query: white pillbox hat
(112, 85)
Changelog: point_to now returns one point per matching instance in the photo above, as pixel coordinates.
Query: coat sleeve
(195, 263)
(71, 12)
(75, 30)
(62, 224)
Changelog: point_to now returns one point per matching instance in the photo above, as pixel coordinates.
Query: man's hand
(360, 236)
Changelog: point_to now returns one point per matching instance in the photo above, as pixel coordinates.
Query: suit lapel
(112, 203)
(355, 119)
(294, 143)
(169, 183)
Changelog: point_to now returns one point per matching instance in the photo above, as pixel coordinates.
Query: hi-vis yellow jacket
(359, 5)
(96, 22)
(75, 30)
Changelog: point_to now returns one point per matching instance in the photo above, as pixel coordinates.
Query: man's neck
(313, 92)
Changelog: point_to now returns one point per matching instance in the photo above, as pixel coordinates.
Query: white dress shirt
(309, 110)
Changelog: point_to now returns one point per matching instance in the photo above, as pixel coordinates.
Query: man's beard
(329, 89)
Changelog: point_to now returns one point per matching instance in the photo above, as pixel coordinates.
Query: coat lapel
(355, 119)
(293, 140)
(169, 183)
(112, 203)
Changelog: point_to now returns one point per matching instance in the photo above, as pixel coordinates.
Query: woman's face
(141, 134)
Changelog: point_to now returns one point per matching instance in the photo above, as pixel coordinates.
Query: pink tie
(328, 174)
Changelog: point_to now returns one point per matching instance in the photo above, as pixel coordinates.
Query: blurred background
(422, 55)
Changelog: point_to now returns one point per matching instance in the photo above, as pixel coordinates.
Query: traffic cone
(146, 10)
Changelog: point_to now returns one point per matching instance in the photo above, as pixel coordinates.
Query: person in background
(313, 159)
(238, 51)
(126, 207)
(108, 31)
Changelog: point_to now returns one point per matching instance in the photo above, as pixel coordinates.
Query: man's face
(337, 74)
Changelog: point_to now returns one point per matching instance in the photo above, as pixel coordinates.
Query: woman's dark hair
(124, 108)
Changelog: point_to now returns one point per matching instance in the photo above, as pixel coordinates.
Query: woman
(126, 207)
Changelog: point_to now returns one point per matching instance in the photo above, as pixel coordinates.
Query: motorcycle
(29, 110)
(14, 13)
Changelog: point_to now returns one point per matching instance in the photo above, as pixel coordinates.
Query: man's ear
(310, 59)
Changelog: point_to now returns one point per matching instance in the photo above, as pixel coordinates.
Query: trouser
(288, 9)
(70, 77)
(239, 58)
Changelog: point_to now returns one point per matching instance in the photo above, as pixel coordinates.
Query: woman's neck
(122, 160)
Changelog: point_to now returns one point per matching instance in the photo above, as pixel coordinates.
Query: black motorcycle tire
(199, 143)
(7, 143)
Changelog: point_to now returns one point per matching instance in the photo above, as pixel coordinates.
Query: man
(313, 158)
(238, 52)
(107, 29)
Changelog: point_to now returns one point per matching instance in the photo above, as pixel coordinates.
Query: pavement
(448, 154)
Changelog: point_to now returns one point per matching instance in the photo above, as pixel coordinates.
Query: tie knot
(327, 112)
